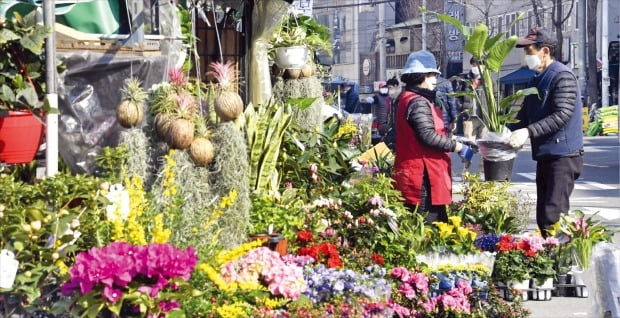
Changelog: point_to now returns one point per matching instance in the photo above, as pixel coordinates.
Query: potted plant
(295, 39)
(497, 112)
(22, 87)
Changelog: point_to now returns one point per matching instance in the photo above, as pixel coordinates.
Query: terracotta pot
(275, 242)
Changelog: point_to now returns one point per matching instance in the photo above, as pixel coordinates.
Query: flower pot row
(571, 285)
(527, 289)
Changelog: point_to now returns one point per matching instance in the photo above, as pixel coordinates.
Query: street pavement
(596, 191)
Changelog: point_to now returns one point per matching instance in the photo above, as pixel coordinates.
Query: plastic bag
(494, 146)
(604, 281)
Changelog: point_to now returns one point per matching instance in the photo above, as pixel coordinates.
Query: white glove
(518, 138)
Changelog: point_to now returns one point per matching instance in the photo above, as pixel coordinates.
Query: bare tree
(483, 6)
(591, 26)
(558, 18)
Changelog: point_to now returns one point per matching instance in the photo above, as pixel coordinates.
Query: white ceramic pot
(292, 57)
(542, 292)
(577, 279)
(521, 287)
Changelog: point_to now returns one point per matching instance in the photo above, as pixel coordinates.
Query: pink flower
(288, 185)
(399, 272)
(401, 311)
(314, 168)
(464, 286)
(420, 280)
(407, 291)
(552, 241)
(429, 305)
(376, 200)
(111, 294)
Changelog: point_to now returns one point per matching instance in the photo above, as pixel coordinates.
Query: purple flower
(376, 201)
(167, 306)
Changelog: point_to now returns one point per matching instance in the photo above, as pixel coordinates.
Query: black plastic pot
(498, 170)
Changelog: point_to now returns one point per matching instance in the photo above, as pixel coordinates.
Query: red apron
(412, 157)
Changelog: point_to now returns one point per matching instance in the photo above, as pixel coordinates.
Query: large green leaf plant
(492, 52)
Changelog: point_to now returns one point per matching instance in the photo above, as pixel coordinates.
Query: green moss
(310, 118)
(231, 171)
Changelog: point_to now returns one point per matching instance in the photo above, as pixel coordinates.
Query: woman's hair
(413, 79)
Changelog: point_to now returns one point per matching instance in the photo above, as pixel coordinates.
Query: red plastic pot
(20, 137)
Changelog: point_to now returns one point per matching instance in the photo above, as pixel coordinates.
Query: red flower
(312, 251)
(334, 261)
(304, 236)
(378, 259)
(506, 243)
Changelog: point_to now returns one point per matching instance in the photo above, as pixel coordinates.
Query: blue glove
(468, 142)
(466, 153)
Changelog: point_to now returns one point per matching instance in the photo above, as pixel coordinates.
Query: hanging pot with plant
(22, 87)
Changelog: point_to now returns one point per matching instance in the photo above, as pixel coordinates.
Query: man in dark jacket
(352, 98)
(552, 121)
(447, 103)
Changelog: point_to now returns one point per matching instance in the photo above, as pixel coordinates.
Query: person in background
(351, 97)
(394, 91)
(553, 123)
(381, 108)
(422, 169)
(447, 103)
(473, 126)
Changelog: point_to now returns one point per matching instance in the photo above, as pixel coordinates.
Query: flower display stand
(542, 292)
(571, 285)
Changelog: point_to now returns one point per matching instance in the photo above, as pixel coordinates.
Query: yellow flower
(216, 278)
(235, 310)
(445, 230)
(159, 234)
(226, 256)
(455, 220)
(463, 232)
(271, 303)
(62, 267)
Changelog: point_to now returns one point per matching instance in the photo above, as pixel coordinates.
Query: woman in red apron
(422, 167)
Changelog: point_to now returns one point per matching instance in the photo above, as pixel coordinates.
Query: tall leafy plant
(492, 52)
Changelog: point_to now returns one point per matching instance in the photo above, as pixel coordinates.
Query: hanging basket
(292, 57)
(20, 136)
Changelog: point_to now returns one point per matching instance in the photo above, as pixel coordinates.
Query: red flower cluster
(378, 259)
(304, 237)
(324, 252)
(506, 243)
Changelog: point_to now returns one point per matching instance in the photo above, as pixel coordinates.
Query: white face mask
(532, 61)
(431, 82)
(383, 90)
(393, 92)
(475, 70)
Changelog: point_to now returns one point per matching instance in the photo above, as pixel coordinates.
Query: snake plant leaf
(475, 43)
(499, 52)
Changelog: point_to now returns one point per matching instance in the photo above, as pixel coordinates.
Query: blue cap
(421, 62)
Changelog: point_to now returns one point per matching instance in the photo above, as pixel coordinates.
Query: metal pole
(51, 130)
(604, 58)
(382, 58)
(583, 52)
(424, 26)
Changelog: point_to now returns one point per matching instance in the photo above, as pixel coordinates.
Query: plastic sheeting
(266, 16)
(603, 279)
(494, 146)
(89, 92)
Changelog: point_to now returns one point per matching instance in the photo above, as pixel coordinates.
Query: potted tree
(492, 51)
(22, 87)
(296, 39)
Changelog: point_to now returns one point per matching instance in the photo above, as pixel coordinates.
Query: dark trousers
(434, 213)
(555, 180)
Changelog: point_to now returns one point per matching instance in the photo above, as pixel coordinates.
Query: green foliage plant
(492, 51)
(493, 206)
(22, 63)
(511, 266)
(44, 224)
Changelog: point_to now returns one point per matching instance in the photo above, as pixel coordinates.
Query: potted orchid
(583, 233)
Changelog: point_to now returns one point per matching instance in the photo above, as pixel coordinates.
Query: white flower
(119, 203)
(355, 165)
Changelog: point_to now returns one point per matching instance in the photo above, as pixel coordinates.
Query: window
(517, 26)
(530, 19)
(513, 28)
(576, 9)
(500, 24)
